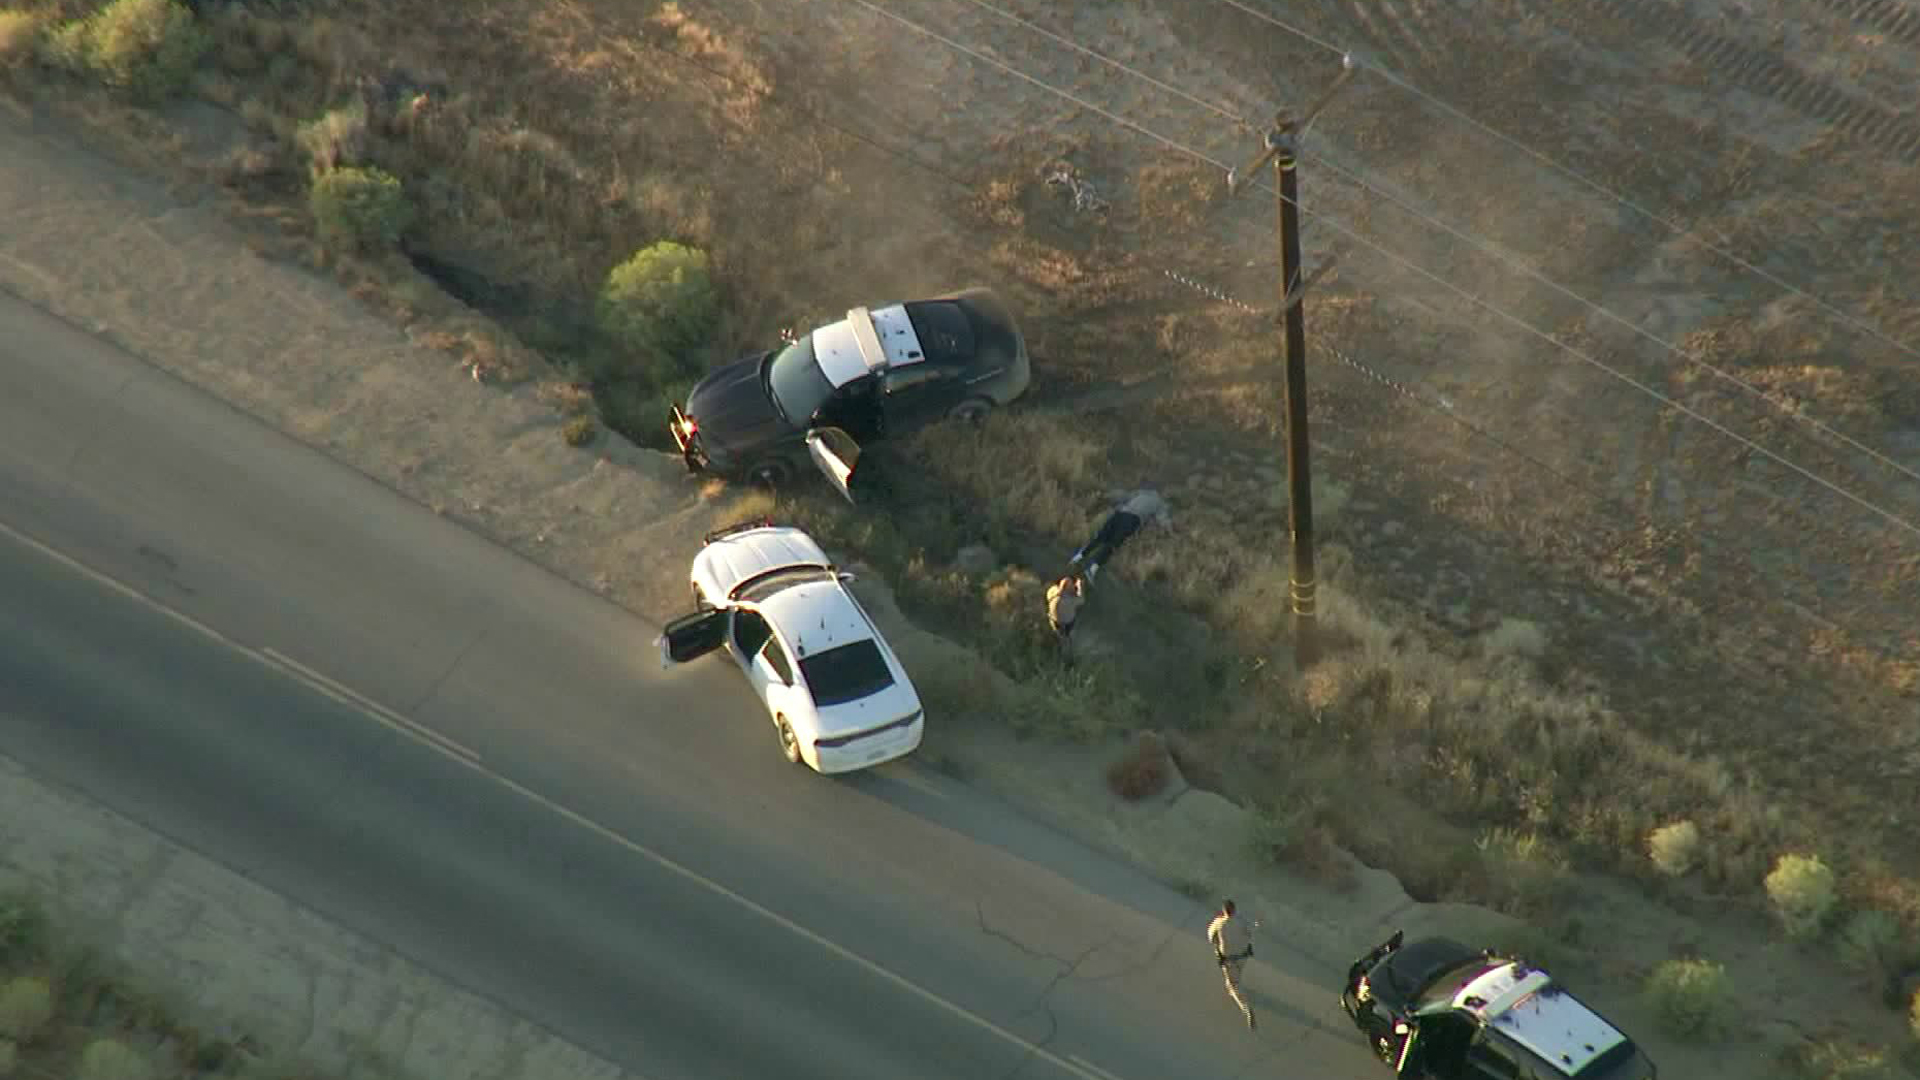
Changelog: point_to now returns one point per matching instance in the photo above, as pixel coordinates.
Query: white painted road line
(1071, 1065)
(348, 696)
(352, 699)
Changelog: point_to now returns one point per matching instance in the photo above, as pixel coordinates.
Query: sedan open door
(837, 455)
(691, 637)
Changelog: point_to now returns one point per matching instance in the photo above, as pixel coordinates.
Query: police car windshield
(1442, 989)
(796, 384)
(846, 673)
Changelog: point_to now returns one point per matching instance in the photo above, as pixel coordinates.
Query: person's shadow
(1265, 1005)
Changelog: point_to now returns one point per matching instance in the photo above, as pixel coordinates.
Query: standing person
(1063, 607)
(1232, 941)
(1119, 527)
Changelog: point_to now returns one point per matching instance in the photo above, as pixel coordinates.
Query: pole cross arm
(1282, 136)
(1299, 290)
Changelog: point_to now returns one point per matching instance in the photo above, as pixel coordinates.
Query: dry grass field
(1616, 464)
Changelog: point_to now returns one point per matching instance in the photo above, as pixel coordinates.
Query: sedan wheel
(789, 742)
(972, 411)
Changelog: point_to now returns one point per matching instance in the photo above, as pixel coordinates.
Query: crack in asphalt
(460, 658)
(980, 913)
(1041, 1002)
(1138, 965)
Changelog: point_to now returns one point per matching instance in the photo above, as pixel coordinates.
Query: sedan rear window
(846, 673)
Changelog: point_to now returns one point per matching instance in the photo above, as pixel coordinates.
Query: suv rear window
(846, 673)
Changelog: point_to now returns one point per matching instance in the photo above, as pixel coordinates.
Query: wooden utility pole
(1282, 148)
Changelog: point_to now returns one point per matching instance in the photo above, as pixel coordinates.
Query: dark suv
(879, 372)
(1438, 1010)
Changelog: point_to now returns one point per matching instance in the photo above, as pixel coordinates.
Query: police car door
(837, 455)
(916, 395)
(690, 637)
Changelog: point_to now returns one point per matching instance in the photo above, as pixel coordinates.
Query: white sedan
(837, 695)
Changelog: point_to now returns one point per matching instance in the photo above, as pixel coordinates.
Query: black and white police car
(838, 697)
(1438, 1010)
(878, 373)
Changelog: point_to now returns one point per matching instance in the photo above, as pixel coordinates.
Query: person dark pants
(1063, 633)
(1115, 531)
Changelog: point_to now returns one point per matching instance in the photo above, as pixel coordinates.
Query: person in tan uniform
(1063, 607)
(1232, 940)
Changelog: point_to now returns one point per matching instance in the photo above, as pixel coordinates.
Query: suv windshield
(796, 383)
(846, 673)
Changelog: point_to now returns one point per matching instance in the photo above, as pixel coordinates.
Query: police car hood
(732, 408)
(1405, 972)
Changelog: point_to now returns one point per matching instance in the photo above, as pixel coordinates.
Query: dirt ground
(1624, 402)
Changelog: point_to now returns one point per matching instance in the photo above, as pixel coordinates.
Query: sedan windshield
(846, 673)
(796, 383)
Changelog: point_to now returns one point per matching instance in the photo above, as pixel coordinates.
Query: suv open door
(837, 455)
(693, 636)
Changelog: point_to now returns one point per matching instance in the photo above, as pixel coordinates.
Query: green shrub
(211, 1055)
(1675, 848)
(359, 208)
(661, 302)
(20, 36)
(26, 1004)
(639, 411)
(336, 140)
(9, 1057)
(579, 431)
(1913, 1014)
(146, 48)
(1803, 894)
(1871, 943)
(1691, 998)
(1523, 873)
(1556, 948)
(67, 47)
(1274, 835)
(108, 1059)
(23, 929)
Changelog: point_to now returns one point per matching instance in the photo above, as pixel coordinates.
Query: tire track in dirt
(1898, 21)
(1766, 73)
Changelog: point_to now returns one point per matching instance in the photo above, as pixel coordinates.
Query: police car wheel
(770, 472)
(971, 411)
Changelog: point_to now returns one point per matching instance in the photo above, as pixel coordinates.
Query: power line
(1479, 243)
(1483, 245)
(1591, 184)
(1111, 62)
(804, 113)
(1436, 404)
(1351, 233)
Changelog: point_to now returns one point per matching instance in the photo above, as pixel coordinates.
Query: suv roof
(1528, 1007)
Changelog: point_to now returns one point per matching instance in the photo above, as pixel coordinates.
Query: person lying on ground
(1128, 518)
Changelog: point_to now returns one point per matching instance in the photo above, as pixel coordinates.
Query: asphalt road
(515, 795)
